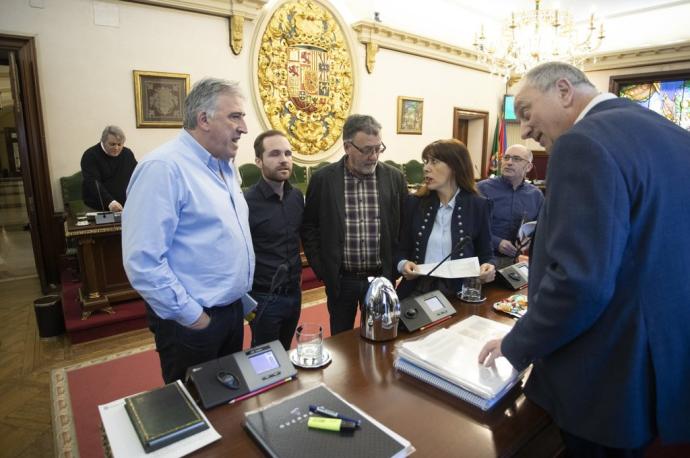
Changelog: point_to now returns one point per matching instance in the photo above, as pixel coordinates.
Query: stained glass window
(670, 99)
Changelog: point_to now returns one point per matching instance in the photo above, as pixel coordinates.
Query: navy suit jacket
(608, 327)
(471, 217)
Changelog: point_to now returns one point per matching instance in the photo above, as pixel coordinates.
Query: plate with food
(515, 305)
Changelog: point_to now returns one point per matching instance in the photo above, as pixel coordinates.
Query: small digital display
(264, 361)
(524, 271)
(434, 304)
(509, 108)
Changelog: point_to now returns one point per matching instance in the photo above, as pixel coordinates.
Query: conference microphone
(106, 216)
(428, 305)
(458, 246)
(100, 197)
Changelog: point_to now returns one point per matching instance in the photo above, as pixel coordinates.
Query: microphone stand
(100, 198)
(426, 282)
(458, 246)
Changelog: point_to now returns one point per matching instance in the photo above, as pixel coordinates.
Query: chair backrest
(395, 164)
(316, 167)
(298, 179)
(414, 172)
(71, 194)
(250, 174)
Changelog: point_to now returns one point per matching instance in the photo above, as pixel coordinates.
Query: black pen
(321, 410)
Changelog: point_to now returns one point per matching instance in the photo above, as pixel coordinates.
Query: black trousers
(179, 347)
(276, 317)
(343, 308)
(577, 447)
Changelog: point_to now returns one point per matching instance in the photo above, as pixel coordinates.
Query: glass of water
(309, 344)
(471, 290)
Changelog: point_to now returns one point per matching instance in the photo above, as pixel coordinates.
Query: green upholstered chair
(71, 194)
(395, 164)
(298, 179)
(414, 173)
(316, 167)
(250, 175)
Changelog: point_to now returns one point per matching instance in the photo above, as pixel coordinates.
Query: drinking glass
(309, 344)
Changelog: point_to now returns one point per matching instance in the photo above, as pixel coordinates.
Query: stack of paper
(447, 359)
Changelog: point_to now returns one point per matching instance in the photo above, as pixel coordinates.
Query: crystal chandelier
(540, 35)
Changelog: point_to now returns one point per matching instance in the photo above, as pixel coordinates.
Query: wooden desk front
(436, 423)
(103, 277)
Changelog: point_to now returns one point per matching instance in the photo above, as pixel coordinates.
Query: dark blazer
(323, 226)
(471, 217)
(608, 327)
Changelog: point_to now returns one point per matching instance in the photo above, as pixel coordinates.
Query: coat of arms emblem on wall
(305, 76)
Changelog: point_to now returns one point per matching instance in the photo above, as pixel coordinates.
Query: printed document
(457, 268)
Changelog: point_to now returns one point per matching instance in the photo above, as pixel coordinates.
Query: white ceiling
(627, 23)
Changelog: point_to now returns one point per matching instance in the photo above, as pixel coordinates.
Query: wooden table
(103, 277)
(436, 423)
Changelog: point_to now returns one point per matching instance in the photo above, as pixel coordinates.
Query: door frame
(467, 114)
(32, 150)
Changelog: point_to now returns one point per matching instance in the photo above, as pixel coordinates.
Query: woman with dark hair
(446, 209)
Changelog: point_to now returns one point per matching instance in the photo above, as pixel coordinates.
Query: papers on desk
(457, 268)
(124, 442)
(447, 359)
(527, 230)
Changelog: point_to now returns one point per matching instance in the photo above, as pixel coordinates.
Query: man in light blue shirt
(186, 244)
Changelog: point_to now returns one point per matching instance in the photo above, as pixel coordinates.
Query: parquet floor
(26, 362)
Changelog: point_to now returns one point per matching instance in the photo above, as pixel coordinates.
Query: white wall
(443, 88)
(85, 72)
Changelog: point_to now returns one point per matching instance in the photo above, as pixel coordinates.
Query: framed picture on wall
(159, 98)
(410, 115)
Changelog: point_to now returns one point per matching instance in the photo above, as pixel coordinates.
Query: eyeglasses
(516, 159)
(369, 150)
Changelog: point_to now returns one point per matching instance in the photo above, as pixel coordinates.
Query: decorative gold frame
(154, 91)
(412, 121)
(304, 75)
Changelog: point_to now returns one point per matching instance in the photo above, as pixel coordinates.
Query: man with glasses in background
(352, 220)
(514, 202)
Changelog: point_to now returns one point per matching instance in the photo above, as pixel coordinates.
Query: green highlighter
(331, 424)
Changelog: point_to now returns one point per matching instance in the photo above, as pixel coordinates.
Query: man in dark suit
(607, 327)
(352, 220)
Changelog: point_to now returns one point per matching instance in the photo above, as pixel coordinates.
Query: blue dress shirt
(185, 232)
(510, 207)
(440, 243)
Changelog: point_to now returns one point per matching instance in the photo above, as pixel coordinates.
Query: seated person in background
(514, 202)
(275, 217)
(444, 210)
(106, 168)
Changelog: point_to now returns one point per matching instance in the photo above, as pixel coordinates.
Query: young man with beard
(275, 217)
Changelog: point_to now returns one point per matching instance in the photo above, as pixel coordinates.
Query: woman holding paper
(446, 217)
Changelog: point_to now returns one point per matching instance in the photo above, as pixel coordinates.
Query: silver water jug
(380, 312)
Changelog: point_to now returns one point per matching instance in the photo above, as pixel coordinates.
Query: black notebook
(281, 429)
(163, 416)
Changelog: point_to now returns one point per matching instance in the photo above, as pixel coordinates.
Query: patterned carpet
(77, 390)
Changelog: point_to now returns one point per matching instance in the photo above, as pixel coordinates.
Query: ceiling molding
(639, 57)
(401, 41)
(249, 9)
